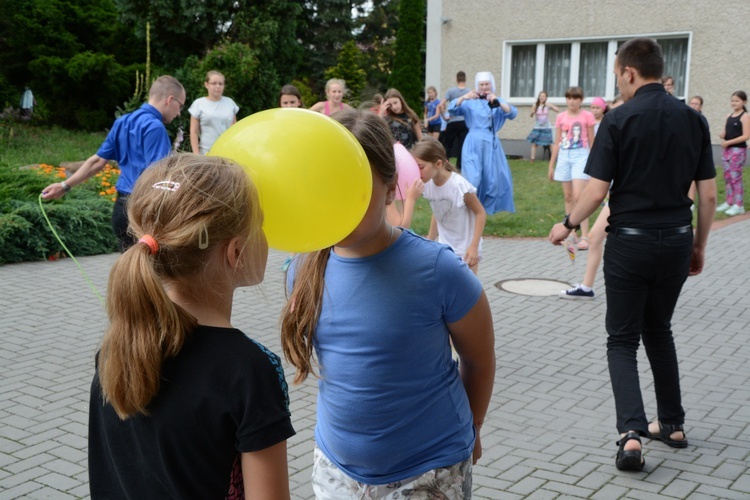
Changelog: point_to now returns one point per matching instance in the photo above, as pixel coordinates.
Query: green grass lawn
(539, 202)
(26, 145)
(539, 205)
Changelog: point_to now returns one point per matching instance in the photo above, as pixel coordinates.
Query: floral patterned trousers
(443, 483)
(734, 159)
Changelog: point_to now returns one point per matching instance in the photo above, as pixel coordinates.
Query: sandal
(666, 430)
(629, 459)
(583, 244)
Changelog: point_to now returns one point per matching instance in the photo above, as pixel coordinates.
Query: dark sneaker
(576, 293)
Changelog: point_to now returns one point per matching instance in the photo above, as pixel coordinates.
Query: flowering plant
(102, 183)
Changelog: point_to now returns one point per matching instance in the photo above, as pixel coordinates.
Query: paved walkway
(550, 430)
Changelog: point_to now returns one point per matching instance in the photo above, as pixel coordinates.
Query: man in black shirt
(651, 148)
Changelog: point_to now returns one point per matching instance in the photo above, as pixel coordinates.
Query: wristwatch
(566, 223)
(65, 187)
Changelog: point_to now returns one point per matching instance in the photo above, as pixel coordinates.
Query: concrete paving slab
(550, 432)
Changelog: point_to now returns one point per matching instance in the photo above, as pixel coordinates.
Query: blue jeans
(643, 277)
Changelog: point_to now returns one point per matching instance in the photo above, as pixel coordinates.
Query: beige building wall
(473, 32)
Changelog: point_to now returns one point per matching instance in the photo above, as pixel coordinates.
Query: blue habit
(483, 161)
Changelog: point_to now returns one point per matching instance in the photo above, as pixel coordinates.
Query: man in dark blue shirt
(651, 148)
(136, 140)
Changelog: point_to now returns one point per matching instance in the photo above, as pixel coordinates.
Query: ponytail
(302, 311)
(145, 328)
(188, 205)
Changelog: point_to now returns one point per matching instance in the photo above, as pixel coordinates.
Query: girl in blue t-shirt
(432, 119)
(379, 310)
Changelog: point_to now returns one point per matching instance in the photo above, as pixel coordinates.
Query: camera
(481, 96)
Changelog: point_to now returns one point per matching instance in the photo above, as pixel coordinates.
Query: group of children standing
(185, 405)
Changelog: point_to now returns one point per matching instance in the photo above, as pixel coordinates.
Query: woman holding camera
(483, 161)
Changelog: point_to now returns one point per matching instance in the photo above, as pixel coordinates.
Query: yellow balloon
(311, 173)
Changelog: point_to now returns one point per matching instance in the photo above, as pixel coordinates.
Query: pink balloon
(407, 169)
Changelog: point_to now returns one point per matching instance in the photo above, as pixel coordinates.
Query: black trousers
(120, 222)
(644, 275)
(453, 140)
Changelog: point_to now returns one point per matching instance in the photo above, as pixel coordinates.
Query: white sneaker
(735, 210)
(723, 207)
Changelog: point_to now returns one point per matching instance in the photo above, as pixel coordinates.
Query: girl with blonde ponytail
(183, 405)
(396, 416)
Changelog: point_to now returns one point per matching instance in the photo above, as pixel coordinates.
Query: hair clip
(167, 185)
(203, 238)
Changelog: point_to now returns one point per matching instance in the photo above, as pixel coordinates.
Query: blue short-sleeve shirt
(136, 140)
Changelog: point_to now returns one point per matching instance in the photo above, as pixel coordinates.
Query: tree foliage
(349, 69)
(408, 65)
(324, 26)
(376, 36)
(181, 29)
(80, 57)
(74, 55)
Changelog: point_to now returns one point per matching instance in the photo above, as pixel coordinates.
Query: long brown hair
(413, 117)
(189, 204)
(539, 102)
(300, 315)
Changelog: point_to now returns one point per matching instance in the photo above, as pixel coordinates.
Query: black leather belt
(633, 231)
(123, 196)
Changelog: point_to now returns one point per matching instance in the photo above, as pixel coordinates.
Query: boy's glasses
(182, 104)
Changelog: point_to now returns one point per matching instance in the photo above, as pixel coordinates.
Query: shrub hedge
(81, 218)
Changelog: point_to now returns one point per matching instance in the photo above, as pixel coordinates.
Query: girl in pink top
(575, 135)
(335, 90)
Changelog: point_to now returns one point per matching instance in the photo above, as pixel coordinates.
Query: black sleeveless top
(733, 130)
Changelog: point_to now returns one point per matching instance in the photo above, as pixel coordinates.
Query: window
(675, 62)
(557, 68)
(592, 70)
(533, 66)
(523, 67)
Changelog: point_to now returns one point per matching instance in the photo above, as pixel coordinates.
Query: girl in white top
(211, 116)
(458, 216)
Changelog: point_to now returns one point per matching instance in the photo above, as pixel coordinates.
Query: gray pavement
(550, 429)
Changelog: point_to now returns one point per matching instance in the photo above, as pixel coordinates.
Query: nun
(483, 161)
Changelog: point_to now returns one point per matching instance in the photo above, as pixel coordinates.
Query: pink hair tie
(149, 241)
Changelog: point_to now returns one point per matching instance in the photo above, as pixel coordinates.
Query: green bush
(82, 222)
(82, 218)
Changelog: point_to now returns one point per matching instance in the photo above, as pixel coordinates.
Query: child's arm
(433, 233)
(591, 136)
(474, 339)
(553, 154)
(553, 108)
(266, 473)
(437, 112)
(413, 192)
(471, 257)
(417, 130)
(195, 127)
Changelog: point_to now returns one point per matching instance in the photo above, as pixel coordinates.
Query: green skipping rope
(86, 276)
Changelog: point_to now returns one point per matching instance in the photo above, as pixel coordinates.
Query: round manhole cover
(532, 286)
